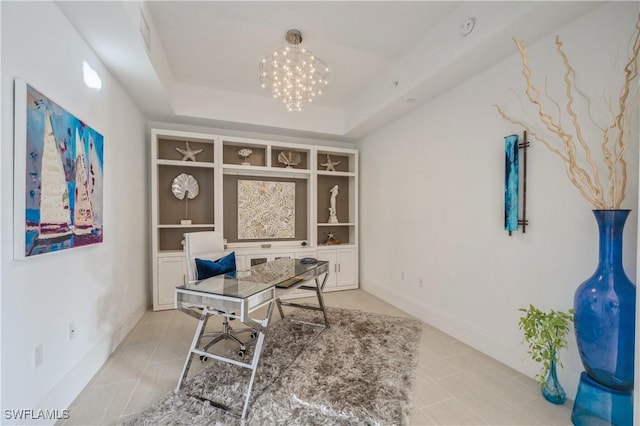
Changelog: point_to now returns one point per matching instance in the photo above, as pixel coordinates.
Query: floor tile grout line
(481, 384)
(126, 404)
(486, 422)
(488, 364)
(512, 404)
(511, 379)
(437, 402)
(453, 398)
(118, 382)
(147, 363)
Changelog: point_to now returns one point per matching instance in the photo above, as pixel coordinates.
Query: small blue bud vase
(552, 390)
(604, 321)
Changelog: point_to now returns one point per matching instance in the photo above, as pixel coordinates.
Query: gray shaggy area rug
(360, 371)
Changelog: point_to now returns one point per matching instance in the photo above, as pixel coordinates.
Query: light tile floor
(455, 384)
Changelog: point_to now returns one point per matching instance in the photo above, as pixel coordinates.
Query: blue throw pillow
(210, 268)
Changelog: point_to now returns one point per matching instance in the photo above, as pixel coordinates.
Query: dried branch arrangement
(582, 169)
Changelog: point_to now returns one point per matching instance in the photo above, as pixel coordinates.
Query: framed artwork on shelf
(266, 210)
(58, 201)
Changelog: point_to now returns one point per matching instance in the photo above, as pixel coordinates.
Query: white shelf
(182, 163)
(262, 171)
(326, 173)
(170, 253)
(239, 167)
(193, 225)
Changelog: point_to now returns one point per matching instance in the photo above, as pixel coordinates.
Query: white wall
(102, 288)
(1, 215)
(432, 202)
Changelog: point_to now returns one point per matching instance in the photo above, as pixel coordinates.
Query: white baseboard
(513, 356)
(70, 386)
(461, 330)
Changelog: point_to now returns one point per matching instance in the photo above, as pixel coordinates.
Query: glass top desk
(240, 295)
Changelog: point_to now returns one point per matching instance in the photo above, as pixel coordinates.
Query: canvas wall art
(266, 210)
(58, 177)
(511, 176)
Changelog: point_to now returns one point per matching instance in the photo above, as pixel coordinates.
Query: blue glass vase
(552, 390)
(604, 308)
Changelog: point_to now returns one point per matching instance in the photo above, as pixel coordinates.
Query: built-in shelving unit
(345, 176)
(217, 169)
(170, 213)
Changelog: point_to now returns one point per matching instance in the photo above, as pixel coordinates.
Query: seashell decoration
(245, 153)
(289, 158)
(185, 185)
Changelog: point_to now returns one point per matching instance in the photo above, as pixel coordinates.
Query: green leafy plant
(545, 334)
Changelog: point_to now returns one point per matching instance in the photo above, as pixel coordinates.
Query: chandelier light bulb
(297, 73)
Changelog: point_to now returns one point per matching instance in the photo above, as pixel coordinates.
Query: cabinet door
(346, 260)
(171, 273)
(330, 256)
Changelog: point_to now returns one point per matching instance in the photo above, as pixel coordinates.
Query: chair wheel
(242, 353)
(203, 358)
(254, 334)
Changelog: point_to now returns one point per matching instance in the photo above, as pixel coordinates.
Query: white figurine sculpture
(332, 205)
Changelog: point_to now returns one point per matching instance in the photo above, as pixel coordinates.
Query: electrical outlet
(420, 283)
(38, 356)
(72, 330)
(402, 275)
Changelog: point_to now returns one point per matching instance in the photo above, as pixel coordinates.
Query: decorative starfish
(330, 164)
(188, 153)
(331, 239)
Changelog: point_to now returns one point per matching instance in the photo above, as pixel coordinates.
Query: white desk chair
(209, 245)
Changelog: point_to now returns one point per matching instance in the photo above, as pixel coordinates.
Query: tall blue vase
(604, 319)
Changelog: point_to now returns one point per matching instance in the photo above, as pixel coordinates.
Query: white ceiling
(201, 66)
(225, 41)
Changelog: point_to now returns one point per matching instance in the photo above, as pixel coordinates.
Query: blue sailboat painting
(64, 174)
(511, 173)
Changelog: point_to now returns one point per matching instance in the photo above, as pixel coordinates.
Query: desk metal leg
(195, 343)
(279, 303)
(319, 288)
(255, 360)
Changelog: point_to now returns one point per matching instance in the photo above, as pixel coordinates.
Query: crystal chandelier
(294, 74)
